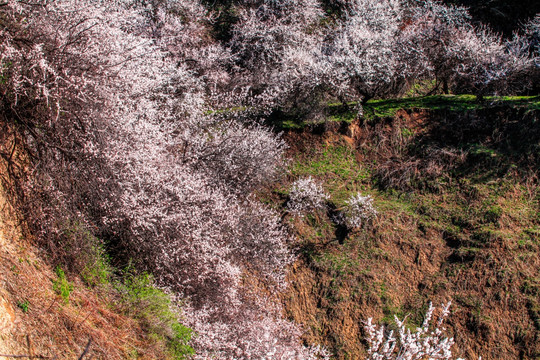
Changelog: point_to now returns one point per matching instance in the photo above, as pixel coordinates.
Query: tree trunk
(445, 87)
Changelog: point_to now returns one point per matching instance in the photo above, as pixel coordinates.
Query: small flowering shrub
(357, 211)
(306, 195)
(427, 342)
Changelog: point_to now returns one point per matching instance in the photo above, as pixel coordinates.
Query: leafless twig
(86, 349)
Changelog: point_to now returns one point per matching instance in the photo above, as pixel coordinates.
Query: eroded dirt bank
(459, 219)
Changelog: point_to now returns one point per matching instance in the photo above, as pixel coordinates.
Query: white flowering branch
(426, 342)
(357, 211)
(306, 195)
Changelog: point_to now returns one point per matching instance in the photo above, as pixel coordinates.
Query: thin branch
(86, 349)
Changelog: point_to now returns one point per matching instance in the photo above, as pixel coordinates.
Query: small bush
(357, 211)
(306, 195)
(97, 270)
(61, 285)
(24, 306)
(77, 247)
(493, 214)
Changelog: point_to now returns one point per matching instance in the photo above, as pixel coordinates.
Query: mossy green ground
(388, 107)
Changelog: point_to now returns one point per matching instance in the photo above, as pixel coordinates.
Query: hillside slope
(43, 313)
(458, 219)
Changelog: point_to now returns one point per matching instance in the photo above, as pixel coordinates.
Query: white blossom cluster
(306, 195)
(427, 342)
(357, 211)
(284, 60)
(532, 39)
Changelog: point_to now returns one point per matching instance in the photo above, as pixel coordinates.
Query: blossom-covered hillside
(137, 137)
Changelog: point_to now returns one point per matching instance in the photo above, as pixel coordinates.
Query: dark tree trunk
(445, 87)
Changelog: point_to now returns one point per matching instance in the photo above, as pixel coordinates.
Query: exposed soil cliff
(459, 219)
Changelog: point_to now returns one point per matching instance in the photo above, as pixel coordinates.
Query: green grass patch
(61, 285)
(395, 204)
(154, 308)
(339, 264)
(380, 108)
(337, 166)
(389, 107)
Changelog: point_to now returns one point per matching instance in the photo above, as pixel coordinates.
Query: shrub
(427, 341)
(358, 211)
(83, 252)
(61, 285)
(306, 195)
(493, 214)
(97, 270)
(24, 306)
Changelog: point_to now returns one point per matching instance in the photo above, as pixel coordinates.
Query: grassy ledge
(337, 112)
